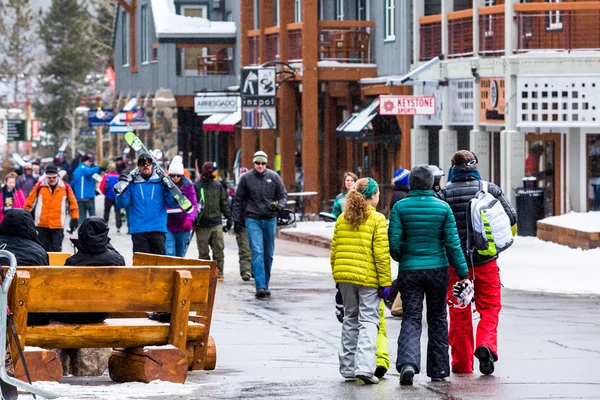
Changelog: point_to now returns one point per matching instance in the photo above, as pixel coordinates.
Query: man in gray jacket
(259, 197)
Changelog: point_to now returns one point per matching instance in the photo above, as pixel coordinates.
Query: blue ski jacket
(146, 203)
(83, 185)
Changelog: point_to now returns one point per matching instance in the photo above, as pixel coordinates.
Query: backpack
(490, 230)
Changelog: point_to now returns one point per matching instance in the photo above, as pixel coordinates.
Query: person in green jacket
(424, 240)
(350, 179)
(360, 264)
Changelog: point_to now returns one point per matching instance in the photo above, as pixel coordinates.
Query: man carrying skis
(146, 201)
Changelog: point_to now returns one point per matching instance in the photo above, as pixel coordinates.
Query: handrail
(255, 32)
(460, 14)
(272, 30)
(497, 9)
(333, 24)
(295, 26)
(430, 19)
(583, 5)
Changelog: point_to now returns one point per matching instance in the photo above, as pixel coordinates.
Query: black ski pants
(51, 239)
(414, 286)
(149, 242)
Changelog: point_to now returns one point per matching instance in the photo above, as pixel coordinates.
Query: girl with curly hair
(360, 262)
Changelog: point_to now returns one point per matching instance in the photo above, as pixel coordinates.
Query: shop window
(144, 42)
(389, 20)
(125, 38)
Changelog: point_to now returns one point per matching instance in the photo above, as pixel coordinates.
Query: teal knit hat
(370, 190)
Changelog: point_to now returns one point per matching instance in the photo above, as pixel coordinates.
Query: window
(363, 10)
(553, 20)
(124, 38)
(229, 18)
(190, 56)
(389, 21)
(144, 33)
(297, 10)
(339, 10)
(489, 22)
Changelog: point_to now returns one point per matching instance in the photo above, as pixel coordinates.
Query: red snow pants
(488, 304)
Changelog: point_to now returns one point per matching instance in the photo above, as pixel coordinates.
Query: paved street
(286, 347)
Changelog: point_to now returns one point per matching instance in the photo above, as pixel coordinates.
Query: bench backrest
(58, 258)
(112, 289)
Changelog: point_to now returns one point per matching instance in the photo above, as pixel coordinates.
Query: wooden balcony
(460, 34)
(295, 42)
(253, 47)
(430, 37)
(272, 44)
(558, 26)
(491, 30)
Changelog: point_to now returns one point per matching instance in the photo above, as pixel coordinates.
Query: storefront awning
(212, 123)
(355, 124)
(228, 123)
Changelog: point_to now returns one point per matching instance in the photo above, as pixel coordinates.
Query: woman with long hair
(360, 262)
(11, 197)
(350, 179)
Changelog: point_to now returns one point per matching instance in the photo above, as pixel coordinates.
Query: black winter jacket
(19, 236)
(398, 194)
(457, 194)
(216, 203)
(255, 192)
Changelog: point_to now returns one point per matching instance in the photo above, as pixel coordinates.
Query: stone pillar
(479, 143)
(448, 144)
(420, 147)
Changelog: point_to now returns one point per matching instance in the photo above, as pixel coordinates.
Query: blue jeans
(261, 235)
(86, 206)
(175, 243)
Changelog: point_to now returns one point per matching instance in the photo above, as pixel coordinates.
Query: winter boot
(407, 374)
(486, 360)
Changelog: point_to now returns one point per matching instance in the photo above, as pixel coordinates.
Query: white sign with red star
(406, 105)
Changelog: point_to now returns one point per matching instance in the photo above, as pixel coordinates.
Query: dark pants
(51, 238)
(149, 242)
(108, 203)
(414, 286)
(87, 208)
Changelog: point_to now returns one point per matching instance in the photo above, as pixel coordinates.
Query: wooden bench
(130, 291)
(58, 258)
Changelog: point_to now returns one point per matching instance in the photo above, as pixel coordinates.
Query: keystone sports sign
(212, 104)
(406, 105)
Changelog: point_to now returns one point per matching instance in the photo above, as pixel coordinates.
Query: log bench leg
(201, 357)
(146, 364)
(43, 365)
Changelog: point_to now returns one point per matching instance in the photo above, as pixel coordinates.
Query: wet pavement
(285, 347)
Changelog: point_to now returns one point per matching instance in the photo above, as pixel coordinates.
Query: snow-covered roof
(169, 24)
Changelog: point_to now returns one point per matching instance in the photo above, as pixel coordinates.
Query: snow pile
(316, 228)
(584, 222)
(169, 24)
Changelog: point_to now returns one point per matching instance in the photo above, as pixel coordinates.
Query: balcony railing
(558, 26)
(295, 42)
(491, 30)
(430, 37)
(253, 47)
(272, 44)
(460, 34)
(347, 41)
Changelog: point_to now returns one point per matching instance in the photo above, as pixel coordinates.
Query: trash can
(530, 207)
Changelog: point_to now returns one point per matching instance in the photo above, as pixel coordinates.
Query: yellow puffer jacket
(362, 256)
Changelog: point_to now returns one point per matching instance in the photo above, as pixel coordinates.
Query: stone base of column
(448, 145)
(419, 152)
(479, 143)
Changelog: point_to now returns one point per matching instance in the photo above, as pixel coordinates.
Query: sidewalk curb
(309, 239)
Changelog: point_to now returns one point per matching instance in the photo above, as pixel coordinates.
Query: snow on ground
(584, 222)
(530, 264)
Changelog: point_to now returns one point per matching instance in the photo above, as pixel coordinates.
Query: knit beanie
(464, 160)
(420, 178)
(176, 166)
(260, 156)
(401, 177)
(209, 167)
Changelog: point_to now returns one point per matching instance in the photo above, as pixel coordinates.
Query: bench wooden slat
(85, 289)
(125, 332)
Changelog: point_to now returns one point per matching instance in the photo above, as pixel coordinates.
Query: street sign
(206, 104)
(87, 132)
(16, 130)
(35, 129)
(406, 105)
(259, 88)
(100, 117)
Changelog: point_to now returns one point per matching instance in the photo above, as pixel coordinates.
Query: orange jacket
(51, 207)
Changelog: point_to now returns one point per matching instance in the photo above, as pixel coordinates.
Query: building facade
(519, 90)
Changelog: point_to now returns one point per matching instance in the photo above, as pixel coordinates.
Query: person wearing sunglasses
(259, 197)
(180, 225)
(146, 201)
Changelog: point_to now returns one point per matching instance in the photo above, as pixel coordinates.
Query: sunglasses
(144, 162)
(260, 163)
(176, 176)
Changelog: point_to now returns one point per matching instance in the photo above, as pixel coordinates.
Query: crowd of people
(429, 235)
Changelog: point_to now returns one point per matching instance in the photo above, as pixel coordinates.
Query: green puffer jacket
(423, 234)
(338, 204)
(216, 203)
(362, 256)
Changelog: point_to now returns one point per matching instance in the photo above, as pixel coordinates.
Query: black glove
(274, 206)
(74, 223)
(460, 286)
(237, 228)
(228, 225)
(125, 178)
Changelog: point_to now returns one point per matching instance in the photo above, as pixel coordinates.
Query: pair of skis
(137, 145)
